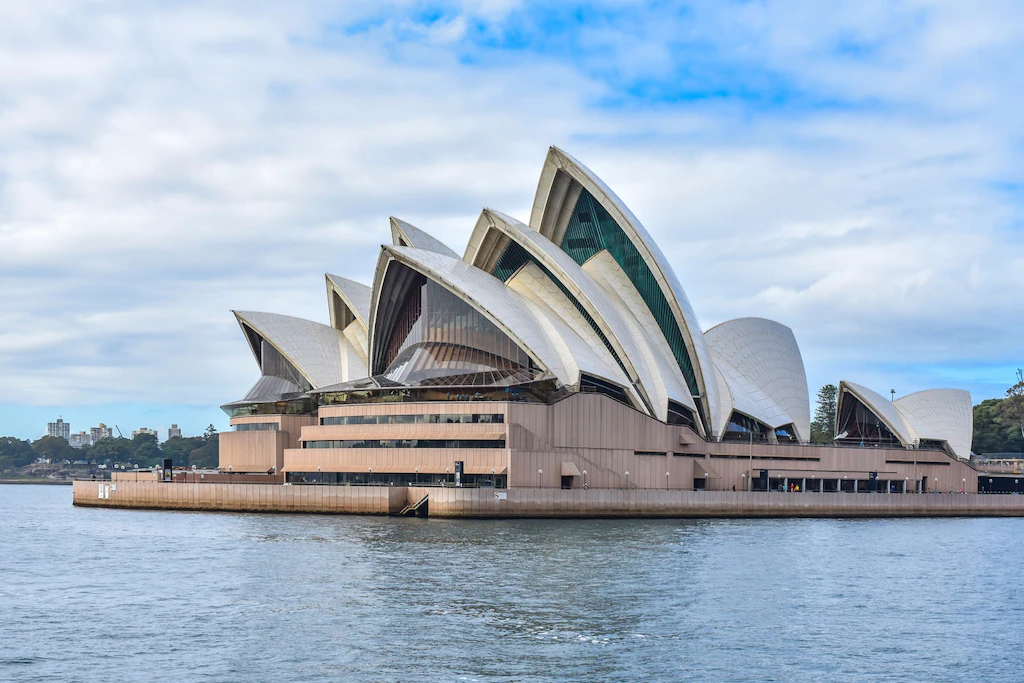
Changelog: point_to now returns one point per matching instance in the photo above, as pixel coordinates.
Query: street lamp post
(584, 480)
(627, 479)
(746, 484)
(706, 481)
(540, 473)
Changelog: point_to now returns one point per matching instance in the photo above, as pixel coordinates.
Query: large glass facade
(434, 418)
(744, 428)
(591, 229)
(431, 337)
(257, 427)
(302, 406)
(857, 423)
(273, 364)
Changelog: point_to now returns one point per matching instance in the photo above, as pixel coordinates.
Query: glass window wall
(257, 427)
(496, 418)
(591, 229)
(432, 336)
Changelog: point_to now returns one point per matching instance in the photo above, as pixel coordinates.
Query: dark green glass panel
(591, 229)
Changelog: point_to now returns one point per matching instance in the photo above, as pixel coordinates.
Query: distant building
(146, 430)
(80, 440)
(101, 431)
(174, 432)
(59, 429)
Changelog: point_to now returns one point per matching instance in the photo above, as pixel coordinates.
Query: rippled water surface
(101, 595)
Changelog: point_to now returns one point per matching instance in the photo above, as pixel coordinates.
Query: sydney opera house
(562, 353)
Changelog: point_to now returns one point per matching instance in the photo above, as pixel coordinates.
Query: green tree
(210, 433)
(15, 453)
(823, 427)
(112, 450)
(55, 448)
(1011, 409)
(145, 453)
(208, 455)
(180, 450)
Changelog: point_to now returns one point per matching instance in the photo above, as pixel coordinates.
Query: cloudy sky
(854, 171)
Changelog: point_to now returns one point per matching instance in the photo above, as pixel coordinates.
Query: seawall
(537, 502)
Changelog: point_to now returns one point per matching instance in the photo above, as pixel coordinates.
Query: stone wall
(536, 502)
(365, 500)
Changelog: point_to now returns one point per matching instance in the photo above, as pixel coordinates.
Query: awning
(569, 469)
(484, 469)
(703, 468)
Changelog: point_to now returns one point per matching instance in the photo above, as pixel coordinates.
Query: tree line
(998, 422)
(142, 450)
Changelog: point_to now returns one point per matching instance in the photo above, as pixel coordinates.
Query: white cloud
(160, 165)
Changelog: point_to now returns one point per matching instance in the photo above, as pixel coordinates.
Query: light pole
(584, 480)
(666, 481)
(706, 481)
(627, 479)
(936, 484)
(745, 482)
(417, 471)
(540, 473)
(963, 486)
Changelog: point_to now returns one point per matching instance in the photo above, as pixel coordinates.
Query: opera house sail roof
(579, 299)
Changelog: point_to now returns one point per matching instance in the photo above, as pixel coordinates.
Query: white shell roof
(686, 318)
(941, 415)
(355, 295)
(598, 304)
(663, 380)
(883, 408)
(578, 345)
(314, 349)
(507, 309)
(761, 361)
(404, 234)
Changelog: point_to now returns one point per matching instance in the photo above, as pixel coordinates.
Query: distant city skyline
(31, 422)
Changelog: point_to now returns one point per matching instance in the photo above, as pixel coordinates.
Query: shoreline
(533, 502)
(39, 482)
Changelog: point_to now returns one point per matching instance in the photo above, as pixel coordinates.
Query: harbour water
(99, 594)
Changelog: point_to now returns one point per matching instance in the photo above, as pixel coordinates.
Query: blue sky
(853, 170)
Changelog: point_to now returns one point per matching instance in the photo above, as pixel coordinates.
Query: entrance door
(566, 482)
